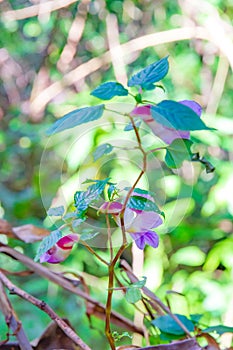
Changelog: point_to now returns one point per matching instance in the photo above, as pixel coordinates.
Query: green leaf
(141, 191)
(133, 295)
(177, 116)
(58, 211)
(108, 90)
(178, 151)
(112, 191)
(195, 318)
(151, 74)
(220, 329)
(169, 337)
(86, 236)
(75, 118)
(129, 126)
(82, 199)
(140, 284)
(70, 215)
(148, 86)
(105, 148)
(47, 243)
(118, 336)
(78, 222)
(167, 324)
(142, 203)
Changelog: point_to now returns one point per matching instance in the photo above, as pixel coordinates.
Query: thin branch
(218, 85)
(138, 44)
(116, 52)
(12, 320)
(35, 10)
(143, 167)
(47, 309)
(109, 237)
(124, 241)
(92, 251)
(98, 309)
(74, 36)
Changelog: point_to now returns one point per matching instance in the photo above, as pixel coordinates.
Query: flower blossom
(168, 135)
(60, 251)
(138, 223)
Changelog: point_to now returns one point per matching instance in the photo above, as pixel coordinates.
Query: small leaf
(47, 243)
(151, 74)
(167, 324)
(141, 191)
(70, 215)
(112, 191)
(177, 152)
(118, 336)
(142, 203)
(75, 118)
(169, 337)
(77, 222)
(140, 284)
(108, 90)
(88, 235)
(177, 116)
(105, 148)
(129, 126)
(29, 233)
(195, 318)
(82, 199)
(58, 211)
(133, 295)
(220, 329)
(148, 86)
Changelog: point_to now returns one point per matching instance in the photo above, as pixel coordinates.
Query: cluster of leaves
(169, 113)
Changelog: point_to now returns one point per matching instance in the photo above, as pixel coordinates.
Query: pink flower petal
(168, 135)
(61, 250)
(67, 241)
(111, 208)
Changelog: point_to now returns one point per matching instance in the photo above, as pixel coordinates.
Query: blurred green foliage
(195, 254)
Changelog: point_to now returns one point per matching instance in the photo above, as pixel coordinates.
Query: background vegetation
(51, 57)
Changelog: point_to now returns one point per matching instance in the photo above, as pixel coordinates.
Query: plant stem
(143, 166)
(155, 149)
(93, 252)
(124, 243)
(109, 306)
(109, 237)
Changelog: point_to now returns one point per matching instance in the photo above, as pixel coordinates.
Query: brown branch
(218, 85)
(35, 10)
(12, 320)
(187, 344)
(47, 309)
(138, 44)
(74, 36)
(116, 52)
(97, 308)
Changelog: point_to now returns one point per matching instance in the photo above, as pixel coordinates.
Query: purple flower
(61, 250)
(164, 133)
(137, 223)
